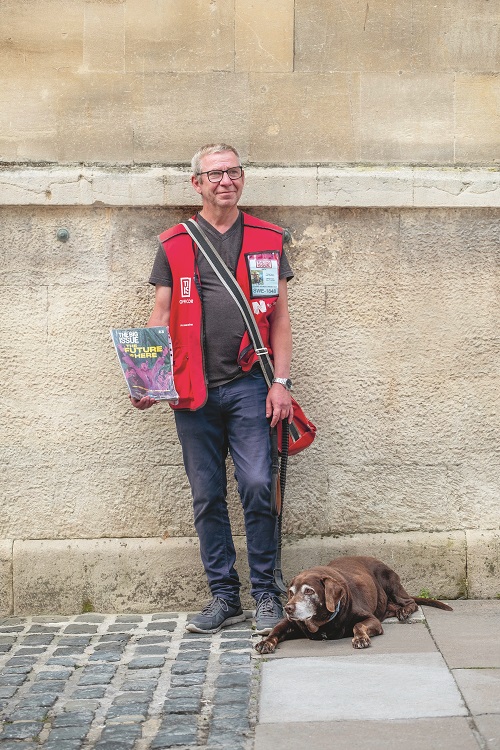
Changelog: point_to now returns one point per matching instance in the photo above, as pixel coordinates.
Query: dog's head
(313, 597)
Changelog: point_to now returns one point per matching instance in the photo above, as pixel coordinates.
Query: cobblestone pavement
(120, 682)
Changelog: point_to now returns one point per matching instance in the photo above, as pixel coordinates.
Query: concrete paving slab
(489, 726)
(397, 638)
(480, 689)
(453, 733)
(375, 686)
(468, 636)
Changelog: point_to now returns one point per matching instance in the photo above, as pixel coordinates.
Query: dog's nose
(288, 608)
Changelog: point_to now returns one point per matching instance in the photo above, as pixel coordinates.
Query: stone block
(406, 118)
(104, 37)
(114, 575)
(111, 575)
(6, 600)
(174, 37)
(306, 488)
(480, 688)
(389, 497)
(264, 38)
(483, 553)
(303, 118)
(40, 35)
(365, 186)
(144, 575)
(461, 37)
(457, 187)
(477, 127)
(28, 116)
(393, 36)
(277, 187)
(489, 726)
(280, 187)
(354, 36)
(48, 262)
(164, 103)
(137, 187)
(75, 499)
(178, 188)
(94, 118)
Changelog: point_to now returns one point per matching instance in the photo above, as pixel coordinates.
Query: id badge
(263, 271)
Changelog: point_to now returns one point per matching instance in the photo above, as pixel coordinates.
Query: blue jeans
(234, 419)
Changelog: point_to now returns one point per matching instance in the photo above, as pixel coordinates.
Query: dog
(350, 596)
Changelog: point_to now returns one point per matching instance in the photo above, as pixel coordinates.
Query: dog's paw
(361, 641)
(404, 613)
(266, 646)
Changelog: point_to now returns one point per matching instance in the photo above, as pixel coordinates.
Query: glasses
(216, 175)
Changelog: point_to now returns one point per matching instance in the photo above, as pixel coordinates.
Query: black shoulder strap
(236, 292)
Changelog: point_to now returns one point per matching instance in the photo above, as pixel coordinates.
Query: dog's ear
(333, 592)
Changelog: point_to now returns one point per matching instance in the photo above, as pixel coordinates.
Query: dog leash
(278, 483)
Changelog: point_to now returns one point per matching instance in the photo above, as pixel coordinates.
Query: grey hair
(210, 148)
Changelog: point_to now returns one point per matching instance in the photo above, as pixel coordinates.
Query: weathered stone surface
(354, 36)
(41, 35)
(355, 187)
(111, 575)
(477, 127)
(395, 317)
(483, 550)
(6, 601)
(462, 37)
(147, 574)
(264, 38)
(164, 103)
(28, 116)
(298, 133)
(104, 37)
(171, 37)
(143, 81)
(394, 36)
(406, 118)
(93, 118)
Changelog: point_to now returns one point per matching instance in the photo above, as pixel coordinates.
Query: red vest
(260, 239)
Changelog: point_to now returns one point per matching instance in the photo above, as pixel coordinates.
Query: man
(224, 403)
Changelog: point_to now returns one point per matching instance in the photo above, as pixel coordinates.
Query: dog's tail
(432, 603)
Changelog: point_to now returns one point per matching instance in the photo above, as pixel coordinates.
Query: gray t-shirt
(224, 325)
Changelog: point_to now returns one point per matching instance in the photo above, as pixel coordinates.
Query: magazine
(145, 356)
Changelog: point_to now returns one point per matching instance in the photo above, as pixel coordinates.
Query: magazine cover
(145, 356)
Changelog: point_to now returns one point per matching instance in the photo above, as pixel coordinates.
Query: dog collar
(334, 614)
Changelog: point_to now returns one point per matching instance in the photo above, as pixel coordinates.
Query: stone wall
(289, 81)
(395, 315)
(370, 131)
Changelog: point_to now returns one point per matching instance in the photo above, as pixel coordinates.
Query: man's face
(223, 194)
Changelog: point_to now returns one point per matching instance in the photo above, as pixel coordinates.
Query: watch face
(285, 382)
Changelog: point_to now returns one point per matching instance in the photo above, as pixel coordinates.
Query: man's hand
(143, 403)
(279, 404)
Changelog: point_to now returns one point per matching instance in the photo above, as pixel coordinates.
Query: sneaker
(216, 615)
(269, 612)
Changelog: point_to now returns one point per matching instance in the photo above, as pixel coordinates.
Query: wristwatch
(285, 382)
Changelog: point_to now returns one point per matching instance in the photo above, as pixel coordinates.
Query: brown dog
(348, 597)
